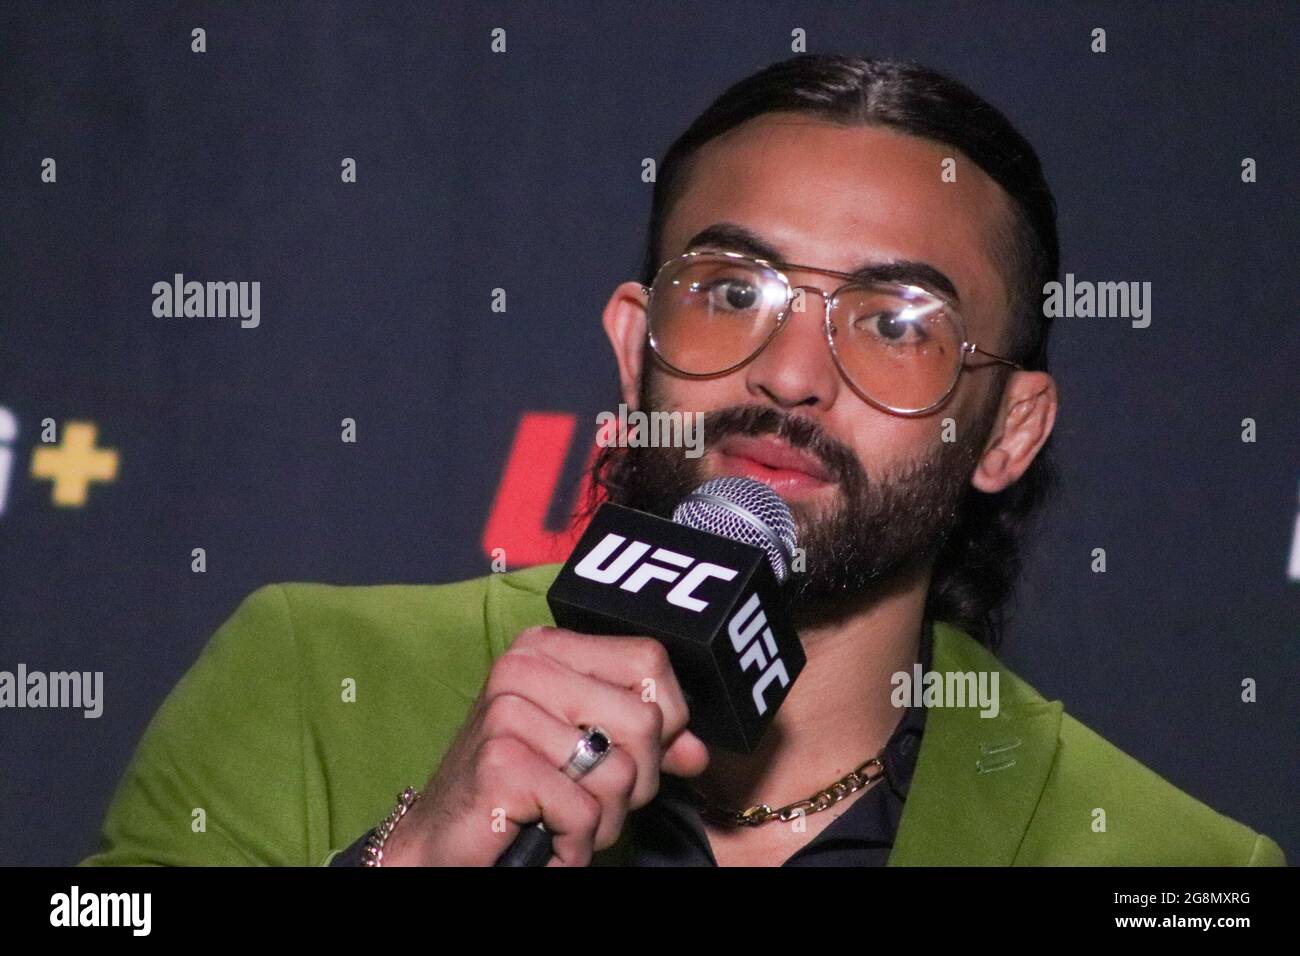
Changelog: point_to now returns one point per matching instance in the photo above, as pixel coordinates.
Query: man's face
(873, 493)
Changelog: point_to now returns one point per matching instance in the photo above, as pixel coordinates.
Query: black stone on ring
(590, 751)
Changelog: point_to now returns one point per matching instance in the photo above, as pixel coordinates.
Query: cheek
(882, 442)
(974, 403)
(669, 392)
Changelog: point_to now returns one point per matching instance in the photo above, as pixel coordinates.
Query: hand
(522, 730)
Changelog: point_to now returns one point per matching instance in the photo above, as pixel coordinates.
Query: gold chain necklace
(852, 782)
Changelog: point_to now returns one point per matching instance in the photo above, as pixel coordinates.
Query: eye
(892, 326)
(732, 294)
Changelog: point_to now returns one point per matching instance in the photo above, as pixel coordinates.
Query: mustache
(798, 431)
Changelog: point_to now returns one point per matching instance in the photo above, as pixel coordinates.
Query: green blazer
(313, 706)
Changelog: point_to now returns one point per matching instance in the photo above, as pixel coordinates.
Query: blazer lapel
(978, 779)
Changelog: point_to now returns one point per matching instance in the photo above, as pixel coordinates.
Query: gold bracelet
(373, 854)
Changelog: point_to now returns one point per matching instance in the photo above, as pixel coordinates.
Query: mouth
(787, 470)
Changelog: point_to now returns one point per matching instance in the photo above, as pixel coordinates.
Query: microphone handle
(532, 847)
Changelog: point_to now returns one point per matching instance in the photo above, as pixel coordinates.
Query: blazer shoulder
(1113, 809)
(389, 605)
(1098, 804)
(458, 627)
(255, 732)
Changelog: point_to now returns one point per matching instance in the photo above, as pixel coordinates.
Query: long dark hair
(975, 574)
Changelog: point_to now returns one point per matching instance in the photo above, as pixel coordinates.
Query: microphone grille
(744, 510)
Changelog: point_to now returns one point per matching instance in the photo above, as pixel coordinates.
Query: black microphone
(707, 586)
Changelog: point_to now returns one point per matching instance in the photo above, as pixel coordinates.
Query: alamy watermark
(75, 689)
(1102, 300)
(209, 300)
(133, 911)
(946, 689)
(638, 429)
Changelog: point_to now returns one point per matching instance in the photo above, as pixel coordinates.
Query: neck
(838, 713)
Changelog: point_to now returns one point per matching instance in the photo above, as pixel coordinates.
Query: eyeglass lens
(898, 346)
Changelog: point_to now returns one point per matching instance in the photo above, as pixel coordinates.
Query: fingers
(611, 781)
(686, 756)
(627, 662)
(573, 698)
(509, 758)
(526, 723)
(528, 789)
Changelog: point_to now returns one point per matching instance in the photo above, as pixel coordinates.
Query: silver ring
(594, 747)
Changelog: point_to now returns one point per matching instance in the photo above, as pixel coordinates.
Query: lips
(773, 462)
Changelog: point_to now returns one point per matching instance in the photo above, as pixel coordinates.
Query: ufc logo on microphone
(746, 627)
(662, 565)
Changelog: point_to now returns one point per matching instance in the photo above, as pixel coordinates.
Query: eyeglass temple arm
(970, 347)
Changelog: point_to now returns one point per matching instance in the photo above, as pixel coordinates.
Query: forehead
(841, 197)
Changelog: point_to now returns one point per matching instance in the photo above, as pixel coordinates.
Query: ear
(625, 324)
(1023, 425)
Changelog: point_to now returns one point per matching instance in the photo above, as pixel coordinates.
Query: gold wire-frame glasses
(921, 301)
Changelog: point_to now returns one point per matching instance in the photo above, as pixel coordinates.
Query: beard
(871, 538)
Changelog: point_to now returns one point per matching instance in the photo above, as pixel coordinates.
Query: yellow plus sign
(74, 464)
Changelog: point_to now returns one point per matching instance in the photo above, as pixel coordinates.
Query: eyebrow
(730, 237)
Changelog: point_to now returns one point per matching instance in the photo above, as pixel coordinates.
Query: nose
(796, 369)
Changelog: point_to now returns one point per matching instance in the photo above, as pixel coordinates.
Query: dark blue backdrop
(521, 171)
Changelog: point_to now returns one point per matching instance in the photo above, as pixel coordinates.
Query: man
(843, 273)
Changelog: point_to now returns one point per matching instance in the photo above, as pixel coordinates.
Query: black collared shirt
(669, 831)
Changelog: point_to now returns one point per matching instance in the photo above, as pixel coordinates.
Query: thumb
(685, 756)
